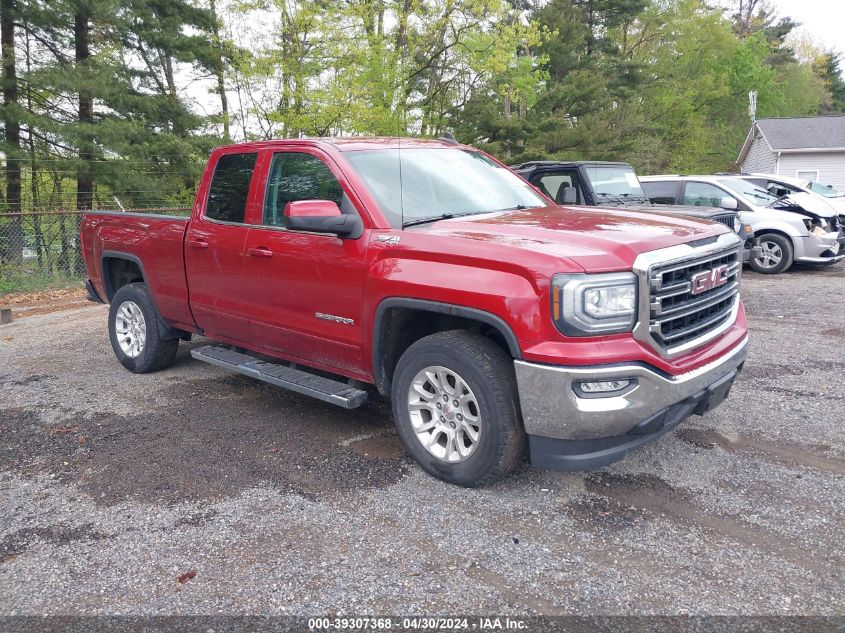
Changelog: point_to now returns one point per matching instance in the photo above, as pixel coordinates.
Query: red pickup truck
(427, 271)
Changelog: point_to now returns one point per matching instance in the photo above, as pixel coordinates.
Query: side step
(325, 389)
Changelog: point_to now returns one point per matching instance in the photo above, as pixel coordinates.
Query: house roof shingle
(816, 132)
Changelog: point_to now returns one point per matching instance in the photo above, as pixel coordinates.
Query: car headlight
(586, 305)
(818, 223)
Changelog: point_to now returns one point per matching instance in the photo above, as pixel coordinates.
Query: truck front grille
(682, 312)
(730, 220)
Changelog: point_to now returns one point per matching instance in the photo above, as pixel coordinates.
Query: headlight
(818, 223)
(585, 305)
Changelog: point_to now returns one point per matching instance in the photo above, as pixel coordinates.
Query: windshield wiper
(448, 215)
(519, 207)
(612, 197)
(426, 220)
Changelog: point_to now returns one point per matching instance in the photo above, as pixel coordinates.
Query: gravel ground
(193, 491)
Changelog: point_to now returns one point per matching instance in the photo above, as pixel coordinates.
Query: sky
(823, 20)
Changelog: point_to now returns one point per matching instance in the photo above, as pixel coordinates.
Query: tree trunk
(33, 167)
(219, 66)
(11, 239)
(84, 174)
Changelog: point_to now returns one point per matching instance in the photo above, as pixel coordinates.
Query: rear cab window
(229, 190)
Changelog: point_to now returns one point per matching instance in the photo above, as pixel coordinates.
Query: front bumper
(820, 248)
(752, 250)
(568, 431)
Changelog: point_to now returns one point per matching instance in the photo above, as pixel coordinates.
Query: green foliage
(662, 83)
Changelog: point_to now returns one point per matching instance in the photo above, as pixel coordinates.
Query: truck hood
(679, 209)
(594, 238)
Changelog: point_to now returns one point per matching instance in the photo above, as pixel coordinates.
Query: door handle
(197, 243)
(260, 251)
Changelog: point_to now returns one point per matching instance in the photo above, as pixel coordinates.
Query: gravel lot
(193, 491)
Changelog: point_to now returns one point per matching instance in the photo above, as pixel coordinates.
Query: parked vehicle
(428, 271)
(779, 186)
(615, 184)
(793, 228)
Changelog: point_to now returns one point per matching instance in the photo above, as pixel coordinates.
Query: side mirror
(321, 216)
(728, 203)
(567, 195)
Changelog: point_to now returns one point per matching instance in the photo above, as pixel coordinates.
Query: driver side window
(554, 186)
(298, 176)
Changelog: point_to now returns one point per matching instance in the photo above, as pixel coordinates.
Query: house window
(810, 174)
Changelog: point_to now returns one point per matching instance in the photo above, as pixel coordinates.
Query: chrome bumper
(551, 407)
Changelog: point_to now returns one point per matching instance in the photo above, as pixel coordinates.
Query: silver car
(794, 228)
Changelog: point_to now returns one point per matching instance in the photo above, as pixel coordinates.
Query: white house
(811, 147)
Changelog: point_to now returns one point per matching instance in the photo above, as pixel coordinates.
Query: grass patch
(17, 280)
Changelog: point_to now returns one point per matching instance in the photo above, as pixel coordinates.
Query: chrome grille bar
(673, 318)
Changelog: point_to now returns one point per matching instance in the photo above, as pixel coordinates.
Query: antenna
(401, 187)
(752, 106)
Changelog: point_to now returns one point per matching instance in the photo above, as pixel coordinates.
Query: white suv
(798, 227)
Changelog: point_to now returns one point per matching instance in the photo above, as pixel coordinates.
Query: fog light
(598, 388)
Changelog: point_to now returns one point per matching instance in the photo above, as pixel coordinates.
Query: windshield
(615, 182)
(753, 193)
(826, 190)
(439, 181)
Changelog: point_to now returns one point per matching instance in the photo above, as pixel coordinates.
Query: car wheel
(775, 254)
(134, 333)
(456, 408)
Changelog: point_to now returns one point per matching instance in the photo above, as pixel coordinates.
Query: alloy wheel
(445, 414)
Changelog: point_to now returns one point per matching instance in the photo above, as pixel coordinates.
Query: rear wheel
(134, 333)
(456, 409)
(775, 256)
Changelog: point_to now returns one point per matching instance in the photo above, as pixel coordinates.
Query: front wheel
(456, 408)
(134, 334)
(775, 254)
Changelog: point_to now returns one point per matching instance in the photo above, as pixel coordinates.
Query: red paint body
(259, 287)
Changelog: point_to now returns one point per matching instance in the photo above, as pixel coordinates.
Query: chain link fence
(41, 249)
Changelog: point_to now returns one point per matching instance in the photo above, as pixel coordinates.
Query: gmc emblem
(708, 279)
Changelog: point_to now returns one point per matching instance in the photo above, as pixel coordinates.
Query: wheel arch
(128, 276)
(400, 321)
(108, 271)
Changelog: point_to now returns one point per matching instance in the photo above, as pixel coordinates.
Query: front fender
(502, 300)
(771, 222)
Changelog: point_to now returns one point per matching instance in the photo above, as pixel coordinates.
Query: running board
(325, 389)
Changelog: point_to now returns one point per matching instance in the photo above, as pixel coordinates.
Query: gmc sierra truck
(496, 321)
(616, 185)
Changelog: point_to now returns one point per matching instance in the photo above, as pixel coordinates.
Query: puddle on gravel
(653, 495)
(379, 447)
(19, 542)
(808, 456)
(836, 332)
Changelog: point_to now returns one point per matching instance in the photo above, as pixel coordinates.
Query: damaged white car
(798, 227)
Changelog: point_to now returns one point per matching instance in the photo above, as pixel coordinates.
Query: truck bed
(154, 242)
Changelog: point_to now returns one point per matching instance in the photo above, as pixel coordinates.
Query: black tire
(779, 243)
(156, 353)
(488, 372)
